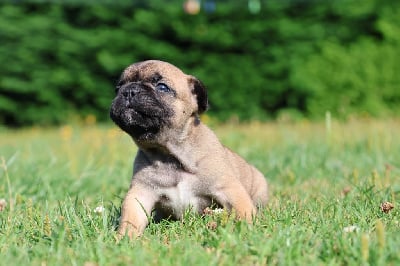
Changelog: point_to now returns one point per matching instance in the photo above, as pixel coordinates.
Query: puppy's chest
(178, 191)
(178, 198)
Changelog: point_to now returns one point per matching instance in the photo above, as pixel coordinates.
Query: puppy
(180, 163)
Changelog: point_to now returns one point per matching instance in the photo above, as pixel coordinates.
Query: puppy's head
(154, 96)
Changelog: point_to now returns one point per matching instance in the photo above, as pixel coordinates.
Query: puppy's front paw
(127, 228)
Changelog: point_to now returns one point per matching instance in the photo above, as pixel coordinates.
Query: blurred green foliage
(303, 57)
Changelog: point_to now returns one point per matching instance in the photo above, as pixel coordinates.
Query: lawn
(61, 189)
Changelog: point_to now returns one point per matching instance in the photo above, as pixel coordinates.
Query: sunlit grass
(327, 187)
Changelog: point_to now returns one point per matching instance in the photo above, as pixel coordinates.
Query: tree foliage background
(60, 60)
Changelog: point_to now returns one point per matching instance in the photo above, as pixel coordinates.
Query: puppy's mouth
(141, 113)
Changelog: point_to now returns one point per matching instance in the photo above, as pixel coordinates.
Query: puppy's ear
(200, 92)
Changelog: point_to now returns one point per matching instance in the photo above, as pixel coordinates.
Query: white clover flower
(99, 209)
(351, 228)
(218, 211)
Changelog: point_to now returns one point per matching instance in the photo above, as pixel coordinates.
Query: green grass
(321, 183)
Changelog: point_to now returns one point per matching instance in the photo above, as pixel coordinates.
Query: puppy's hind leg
(235, 196)
(261, 195)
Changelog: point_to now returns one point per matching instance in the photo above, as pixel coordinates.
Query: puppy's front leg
(236, 196)
(136, 210)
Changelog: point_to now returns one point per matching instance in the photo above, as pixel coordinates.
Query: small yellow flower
(113, 133)
(66, 132)
(205, 118)
(90, 120)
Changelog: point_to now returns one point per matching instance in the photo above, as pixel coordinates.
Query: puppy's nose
(130, 92)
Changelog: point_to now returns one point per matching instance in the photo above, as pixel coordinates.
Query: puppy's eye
(162, 87)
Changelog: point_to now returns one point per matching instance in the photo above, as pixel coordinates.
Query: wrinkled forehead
(150, 71)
